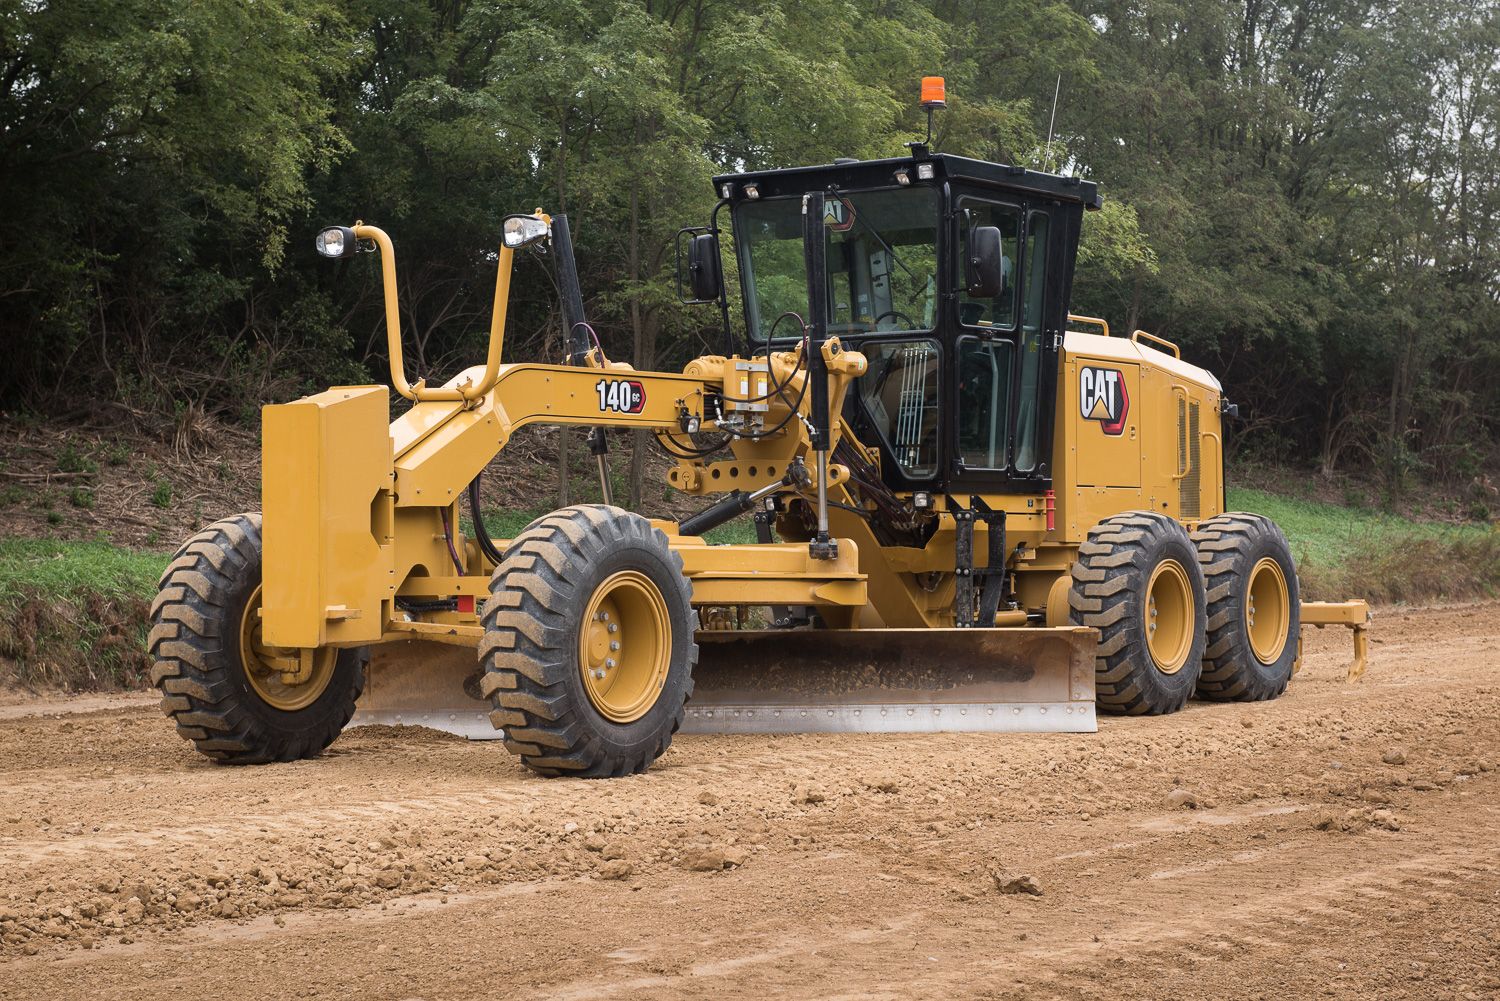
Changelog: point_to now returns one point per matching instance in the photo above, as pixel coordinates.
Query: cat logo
(838, 215)
(1102, 397)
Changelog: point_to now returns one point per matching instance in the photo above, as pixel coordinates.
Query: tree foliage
(1304, 193)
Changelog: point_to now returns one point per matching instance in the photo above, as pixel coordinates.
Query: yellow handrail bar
(466, 391)
(1136, 337)
(1094, 320)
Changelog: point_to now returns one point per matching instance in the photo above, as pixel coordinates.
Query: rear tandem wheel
(1137, 581)
(1254, 608)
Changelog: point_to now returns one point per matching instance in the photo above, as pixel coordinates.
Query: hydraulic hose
(481, 534)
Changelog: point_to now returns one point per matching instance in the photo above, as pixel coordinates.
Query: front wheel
(1137, 581)
(225, 688)
(588, 648)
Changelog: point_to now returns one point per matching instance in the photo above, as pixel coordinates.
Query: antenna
(1047, 156)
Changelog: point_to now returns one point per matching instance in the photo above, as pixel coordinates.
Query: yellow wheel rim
(1267, 610)
(1169, 616)
(625, 646)
(268, 668)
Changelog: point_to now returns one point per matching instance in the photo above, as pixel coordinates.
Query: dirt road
(1340, 842)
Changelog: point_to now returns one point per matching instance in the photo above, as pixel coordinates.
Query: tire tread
(1223, 543)
(188, 645)
(1107, 578)
(527, 651)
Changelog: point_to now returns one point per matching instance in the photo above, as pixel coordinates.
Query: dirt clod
(1021, 883)
(616, 869)
(808, 794)
(712, 859)
(1182, 799)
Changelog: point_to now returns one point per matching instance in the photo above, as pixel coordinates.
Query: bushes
(1411, 568)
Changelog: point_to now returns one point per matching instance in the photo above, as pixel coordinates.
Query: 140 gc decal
(621, 396)
(1102, 397)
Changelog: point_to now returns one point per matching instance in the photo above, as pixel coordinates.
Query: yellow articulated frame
(771, 574)
(1353, 614)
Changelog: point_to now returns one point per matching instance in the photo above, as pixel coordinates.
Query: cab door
(1005, 350)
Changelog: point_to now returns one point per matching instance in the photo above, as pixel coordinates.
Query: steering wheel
(910, 324)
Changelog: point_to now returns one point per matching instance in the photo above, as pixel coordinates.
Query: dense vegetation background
(1304, 194)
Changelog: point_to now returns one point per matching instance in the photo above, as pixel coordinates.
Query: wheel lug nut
(610, 662)
(613, 628)
(614, 644)
(599, 673)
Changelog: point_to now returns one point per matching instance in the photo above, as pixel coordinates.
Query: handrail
(1094, 320)
(467, 391)
(1176, 351)
(1187, 446)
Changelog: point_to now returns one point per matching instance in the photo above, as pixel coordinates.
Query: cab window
(999, 312)
(1028, 417)
(882, 261)
(984, 379)
(899, 391)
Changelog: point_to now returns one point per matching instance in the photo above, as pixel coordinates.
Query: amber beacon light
(933, 92)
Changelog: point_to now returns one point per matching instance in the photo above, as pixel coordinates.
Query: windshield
(882, 261)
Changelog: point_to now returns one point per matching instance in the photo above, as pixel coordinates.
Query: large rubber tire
(199, 668)
(534, 622)
(1237, 551)
(1125, 558)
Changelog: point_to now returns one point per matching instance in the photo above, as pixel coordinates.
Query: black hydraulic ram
(579, 341)
(815, 253)
(737, 502)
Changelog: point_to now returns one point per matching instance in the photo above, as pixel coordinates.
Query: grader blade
(422, 683)
(894, 681)
(801, 681)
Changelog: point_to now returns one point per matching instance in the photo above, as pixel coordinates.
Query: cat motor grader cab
(969, 516)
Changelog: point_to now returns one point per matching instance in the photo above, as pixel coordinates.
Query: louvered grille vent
(1188, 441)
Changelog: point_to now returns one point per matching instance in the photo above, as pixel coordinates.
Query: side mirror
(704, 272)
(984, 271)
(705, 278)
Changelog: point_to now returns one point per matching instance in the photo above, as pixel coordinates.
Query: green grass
(64, 571)
(73, 615)
(1330, 534)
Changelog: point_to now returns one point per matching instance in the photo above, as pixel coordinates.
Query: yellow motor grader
(969, 516)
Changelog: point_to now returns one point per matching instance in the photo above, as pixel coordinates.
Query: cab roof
(854, 174)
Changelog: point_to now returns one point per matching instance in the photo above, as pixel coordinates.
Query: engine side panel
(1140, 431)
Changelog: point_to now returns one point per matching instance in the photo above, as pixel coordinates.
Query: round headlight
(336, 241)
(520, 230)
